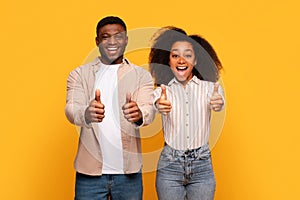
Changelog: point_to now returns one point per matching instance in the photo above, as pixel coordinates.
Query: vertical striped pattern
(187, 126)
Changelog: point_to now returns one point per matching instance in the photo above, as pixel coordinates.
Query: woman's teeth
(181, 68)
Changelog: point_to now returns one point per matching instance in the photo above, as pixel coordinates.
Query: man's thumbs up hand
(216, 100)
(163, 105)
(131, 110)
(95, 111)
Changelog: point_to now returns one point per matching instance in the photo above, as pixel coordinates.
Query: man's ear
(126, 39)
(97, 41)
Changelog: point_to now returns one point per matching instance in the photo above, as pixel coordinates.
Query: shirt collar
(194, 80)
(97, 62)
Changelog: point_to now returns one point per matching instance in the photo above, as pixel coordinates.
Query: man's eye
(188, 56)
(104, 37)
(119, 37)
(174, 56)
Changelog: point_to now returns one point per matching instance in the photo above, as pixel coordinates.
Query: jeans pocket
(165, 159)
(203, 154)
(166, 155)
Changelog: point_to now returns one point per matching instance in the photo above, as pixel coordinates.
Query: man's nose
(112, 40)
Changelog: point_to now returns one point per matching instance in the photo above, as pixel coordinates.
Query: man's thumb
(97, 95)
(128, 97)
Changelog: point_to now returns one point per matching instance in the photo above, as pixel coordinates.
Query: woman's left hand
(216, 100)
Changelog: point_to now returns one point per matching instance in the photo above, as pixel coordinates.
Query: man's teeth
(112, 49)
(181, 68)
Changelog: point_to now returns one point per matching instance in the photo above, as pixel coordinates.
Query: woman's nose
(181, 60)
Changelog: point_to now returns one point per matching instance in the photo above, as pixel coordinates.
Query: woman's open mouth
(181, 68)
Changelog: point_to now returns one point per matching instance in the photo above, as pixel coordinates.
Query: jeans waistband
(192, 153)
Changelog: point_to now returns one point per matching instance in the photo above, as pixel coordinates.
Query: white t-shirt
(110, 131)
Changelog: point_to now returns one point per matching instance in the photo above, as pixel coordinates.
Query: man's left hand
(131, 110)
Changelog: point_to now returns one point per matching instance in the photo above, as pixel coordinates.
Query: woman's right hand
(162, 104)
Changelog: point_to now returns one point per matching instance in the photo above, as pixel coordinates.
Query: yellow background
(257, 154)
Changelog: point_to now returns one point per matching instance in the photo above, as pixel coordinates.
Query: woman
(189, 66)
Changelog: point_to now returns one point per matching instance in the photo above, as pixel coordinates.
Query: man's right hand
(95, 111)
(163, 105)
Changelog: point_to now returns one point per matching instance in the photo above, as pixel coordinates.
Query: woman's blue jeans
(185, 174)
(109, 186)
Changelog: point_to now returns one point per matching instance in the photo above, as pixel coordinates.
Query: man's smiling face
(112, 41)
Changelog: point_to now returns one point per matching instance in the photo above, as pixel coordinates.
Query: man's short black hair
(110, 20)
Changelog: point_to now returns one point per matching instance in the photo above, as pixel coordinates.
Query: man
(109, 98)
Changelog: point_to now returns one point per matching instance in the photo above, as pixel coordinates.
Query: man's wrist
(139, 122)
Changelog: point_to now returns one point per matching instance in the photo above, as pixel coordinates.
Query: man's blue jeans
(116, 186)
(185, 174)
